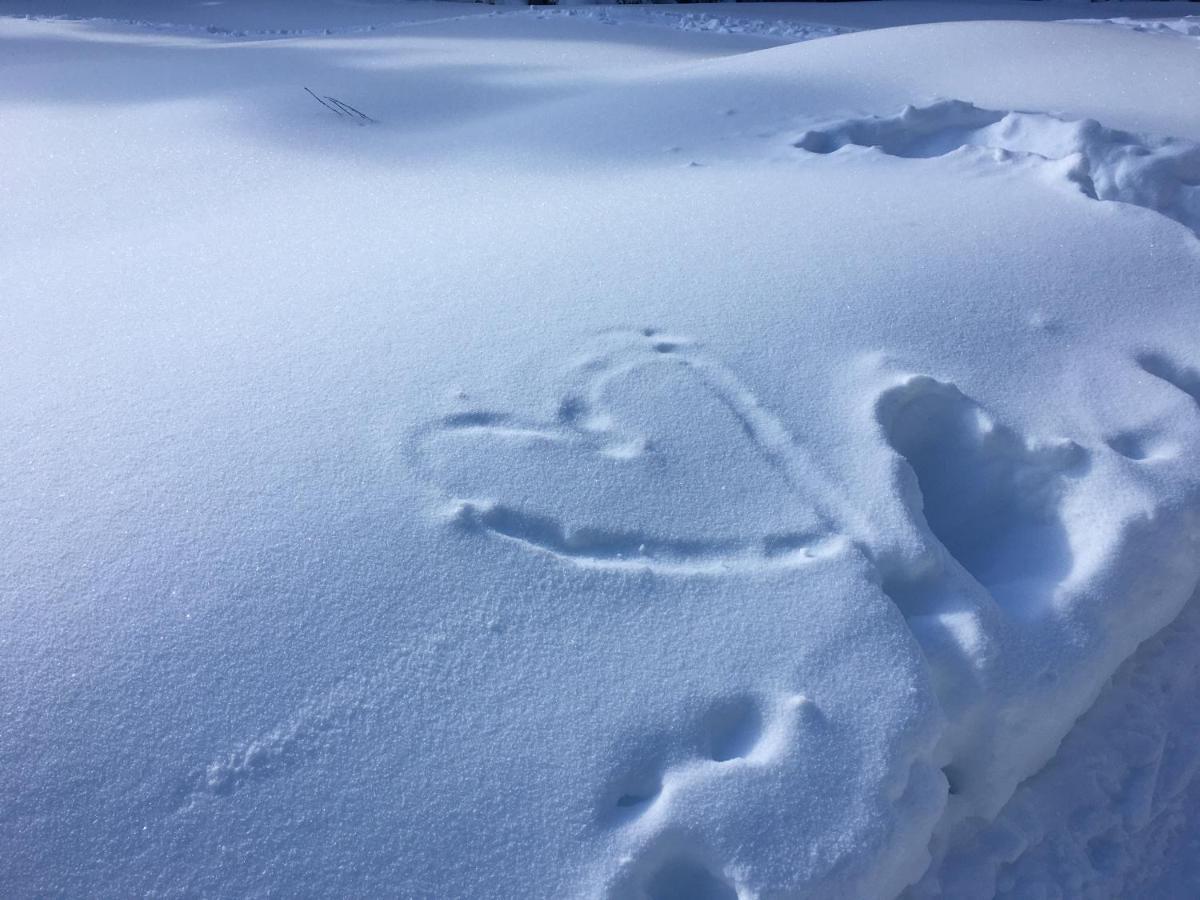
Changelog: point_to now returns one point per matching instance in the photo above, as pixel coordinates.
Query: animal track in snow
(731, 742)
(622, 476)
(677, 865)
(306, 734)
(736, 729)
(1160, 174)
(1148, 444)
(991, 498)
(732, 728)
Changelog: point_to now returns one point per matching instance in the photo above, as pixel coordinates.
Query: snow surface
(642, 462)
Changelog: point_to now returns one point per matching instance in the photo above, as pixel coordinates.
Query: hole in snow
(731, 728)
(633, 790)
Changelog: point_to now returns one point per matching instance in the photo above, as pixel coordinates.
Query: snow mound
(1188, 26)
(1160, 174)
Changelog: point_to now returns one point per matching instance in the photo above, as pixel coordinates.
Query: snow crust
(644, 462)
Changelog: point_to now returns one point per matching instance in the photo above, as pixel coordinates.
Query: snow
(739, 461)
(248, 19)
(1185, 25)
(1158, 174)
(738, 23)
(891, 13)
(1108, 815)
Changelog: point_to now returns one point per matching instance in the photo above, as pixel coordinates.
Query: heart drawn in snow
(657, 459)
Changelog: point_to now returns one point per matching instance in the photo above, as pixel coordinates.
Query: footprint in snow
(992, 498)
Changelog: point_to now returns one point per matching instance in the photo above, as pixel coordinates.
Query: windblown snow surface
(561, 456)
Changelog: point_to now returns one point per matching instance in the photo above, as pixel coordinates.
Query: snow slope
(643, 463)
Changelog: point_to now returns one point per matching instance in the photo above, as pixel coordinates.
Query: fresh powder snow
(706, 451)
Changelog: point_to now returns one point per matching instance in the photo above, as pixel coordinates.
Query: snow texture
(647, 462)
